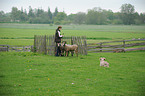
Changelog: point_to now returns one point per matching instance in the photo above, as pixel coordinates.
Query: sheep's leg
(67, 52)
(76, 51)
(62, 53)
(72, 53)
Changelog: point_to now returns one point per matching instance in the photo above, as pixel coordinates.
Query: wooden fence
(45, 44)
(16, 48)
(4, 48)
(40, 44)
(104, 47)
(82, 44)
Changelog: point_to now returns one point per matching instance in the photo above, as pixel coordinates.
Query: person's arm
(59, 34)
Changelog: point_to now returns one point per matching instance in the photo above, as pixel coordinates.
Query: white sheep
(103, 62)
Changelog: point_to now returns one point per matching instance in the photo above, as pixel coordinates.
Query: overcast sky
(71, 6)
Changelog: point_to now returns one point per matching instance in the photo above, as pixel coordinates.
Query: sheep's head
(63, 43)
(102, 59)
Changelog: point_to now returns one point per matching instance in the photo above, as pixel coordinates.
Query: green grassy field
(15, 34)
(32, 74)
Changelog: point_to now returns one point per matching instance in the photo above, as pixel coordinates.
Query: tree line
(95, 16)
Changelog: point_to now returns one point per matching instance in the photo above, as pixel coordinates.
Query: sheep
(66, 48)
(103, 62)
(71, 48)
(119, 50)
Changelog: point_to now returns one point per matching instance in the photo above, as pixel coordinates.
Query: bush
(57, 22)
(117, 21)
(137, 22)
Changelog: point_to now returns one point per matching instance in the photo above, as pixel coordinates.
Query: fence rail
(45, 44)
(4, 48)
(16, 48)
(117, 41)
(101, 47)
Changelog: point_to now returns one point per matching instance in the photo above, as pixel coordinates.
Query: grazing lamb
(66, 48)
(119, 50)
(103, 62)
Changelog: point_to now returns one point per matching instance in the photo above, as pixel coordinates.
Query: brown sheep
(66, 48)
(119, 50)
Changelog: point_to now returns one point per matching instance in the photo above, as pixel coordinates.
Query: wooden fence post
(8, 48)
(124, 44)
(72, 41)
(34, 48)
(45, 51)
(51, 45)
(23, 48)
(85, 45)
(100, 47)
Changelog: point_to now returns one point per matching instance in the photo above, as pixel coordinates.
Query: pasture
(23, 34)
(33, 74)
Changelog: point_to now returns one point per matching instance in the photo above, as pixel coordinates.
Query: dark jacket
(57, 38)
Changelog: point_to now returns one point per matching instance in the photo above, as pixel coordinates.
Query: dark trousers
(57, 50)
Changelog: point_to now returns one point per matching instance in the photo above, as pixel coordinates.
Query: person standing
(58, 38)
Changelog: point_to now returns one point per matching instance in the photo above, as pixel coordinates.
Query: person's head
(59, 27)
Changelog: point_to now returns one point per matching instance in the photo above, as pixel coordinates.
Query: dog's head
(102, 59)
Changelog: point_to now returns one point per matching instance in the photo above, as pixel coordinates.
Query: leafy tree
(91, 17)
(60, 17)
(109, 14)
(142, 18)
(56, 12)
(49, 14)
(80, 18)
(127, 15)
(2, 16)
(39, 12)
(23, 16)
(96, 16)
(71, 18)
(31, 13)
(15, 14)
(45, 18)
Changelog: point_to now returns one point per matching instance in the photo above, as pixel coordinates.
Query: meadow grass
(17, 42)
(32, 74)
(94, 33)
(115, 28)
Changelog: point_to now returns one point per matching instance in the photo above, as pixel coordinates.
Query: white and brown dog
(103, 62)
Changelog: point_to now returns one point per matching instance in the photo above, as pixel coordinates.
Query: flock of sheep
(65, 48)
